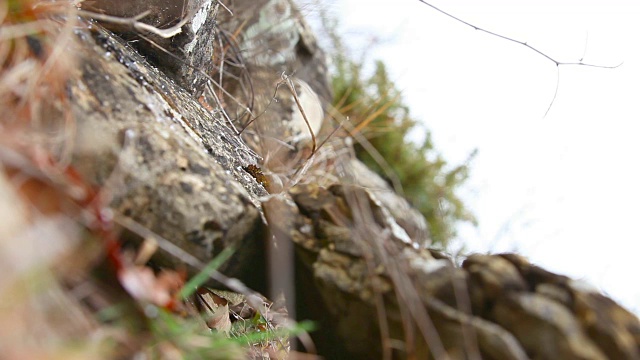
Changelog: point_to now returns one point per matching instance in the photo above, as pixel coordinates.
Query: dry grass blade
(210, 91)
(292, 88)
(185, 257)
(40, 316)
(372, 116)
(192, 285)
(375, 154)
(377, 244)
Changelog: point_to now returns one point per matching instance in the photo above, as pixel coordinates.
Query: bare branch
(137, 25)
(292, 88)
(586, 43)
(555, 92)
(558, 63)
(207, 76)
(225, 7)
(539, 52)
(273, 98)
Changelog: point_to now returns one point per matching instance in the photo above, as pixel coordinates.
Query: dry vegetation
(45, 206)
(67, 288)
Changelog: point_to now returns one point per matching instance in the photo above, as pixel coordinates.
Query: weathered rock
(545, 328)
(467, 335)
(490, 278)
(187, 56)
(274, 36)
(167, 163)
(514, 310)
(273, 54)
(364, 248)
(178, 169)
(359, 268)
(613, 329)
(406, 216)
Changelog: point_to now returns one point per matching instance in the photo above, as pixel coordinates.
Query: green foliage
(199, 279)
(257, 331)
(375, 107)
(187, 338)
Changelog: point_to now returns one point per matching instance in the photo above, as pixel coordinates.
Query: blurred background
(555, 177)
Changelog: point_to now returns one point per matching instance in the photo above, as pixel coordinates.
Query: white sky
(563, 189)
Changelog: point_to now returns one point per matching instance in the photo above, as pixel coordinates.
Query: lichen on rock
(166, 162)
(177, 166)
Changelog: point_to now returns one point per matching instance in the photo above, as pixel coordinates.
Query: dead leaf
(215, 310)
(142, 284)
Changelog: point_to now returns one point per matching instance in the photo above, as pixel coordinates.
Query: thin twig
(377, 246)
(586, 43)
(297, 175)
(558, 63)
(371, 150)
(219, 103)
(539, 52)
(185, 257)
(555, 92)
(223, 56)
(304, 114)
(225, 7)
(137, 25)
(204, 74)
(255, 117)
(9, 32)
(463, 301)
(239, 63)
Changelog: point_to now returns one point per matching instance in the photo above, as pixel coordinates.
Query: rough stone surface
(407, 217)
(168, 163)
(362, 253)
(270, 42)
(274, 36)
(187, 57)
(364, 246)
(514, 310)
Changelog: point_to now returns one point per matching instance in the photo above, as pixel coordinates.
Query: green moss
(375, 107)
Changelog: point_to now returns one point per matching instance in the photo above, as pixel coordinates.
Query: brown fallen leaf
(215, 310)
(142, 284)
